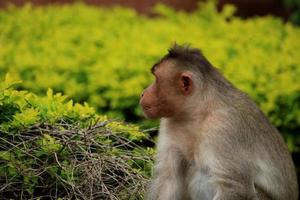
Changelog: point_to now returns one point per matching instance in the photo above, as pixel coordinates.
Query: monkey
(214, 143)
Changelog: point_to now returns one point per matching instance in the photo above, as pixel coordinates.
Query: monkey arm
(232, 176)
(234, 184)
(226, 152)
(233, 195)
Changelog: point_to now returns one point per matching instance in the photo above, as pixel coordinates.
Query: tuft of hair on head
(184, 50)
(188, 57)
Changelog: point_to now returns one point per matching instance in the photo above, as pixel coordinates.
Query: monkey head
(165, 97)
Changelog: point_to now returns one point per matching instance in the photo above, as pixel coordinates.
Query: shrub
(103, 56)
(52, 148)
(294, 7)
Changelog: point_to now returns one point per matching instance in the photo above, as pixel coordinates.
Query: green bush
(103, 56)
(294, 7)
(51, 148)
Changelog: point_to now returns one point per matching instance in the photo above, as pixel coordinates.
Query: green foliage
(294, 6)
(22, 109)
(103, 56)
(50, 146)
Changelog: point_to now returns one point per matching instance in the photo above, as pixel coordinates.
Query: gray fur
(224, 148)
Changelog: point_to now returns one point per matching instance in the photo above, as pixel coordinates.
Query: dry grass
(91, 163)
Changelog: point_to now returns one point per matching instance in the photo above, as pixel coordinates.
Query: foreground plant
(52, 148)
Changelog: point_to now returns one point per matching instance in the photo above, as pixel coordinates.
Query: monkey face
(150, 102)
(165, 96)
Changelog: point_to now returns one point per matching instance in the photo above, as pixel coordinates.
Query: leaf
(9, 81)
(50, 93)
(6, 155)
(49, 144)
(26, 117)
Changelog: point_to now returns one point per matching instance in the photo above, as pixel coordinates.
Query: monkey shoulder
(238, 145)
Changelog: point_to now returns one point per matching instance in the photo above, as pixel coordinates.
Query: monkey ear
(186, 83)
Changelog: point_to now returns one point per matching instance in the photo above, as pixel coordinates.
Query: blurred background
(287, 9)
(100, 51)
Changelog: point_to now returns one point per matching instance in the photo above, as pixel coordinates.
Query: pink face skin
(150, 102)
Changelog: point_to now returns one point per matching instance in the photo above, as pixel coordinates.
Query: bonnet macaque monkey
(214, 142)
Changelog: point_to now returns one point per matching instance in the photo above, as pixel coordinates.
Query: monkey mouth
(148, 112)
(146, 108)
